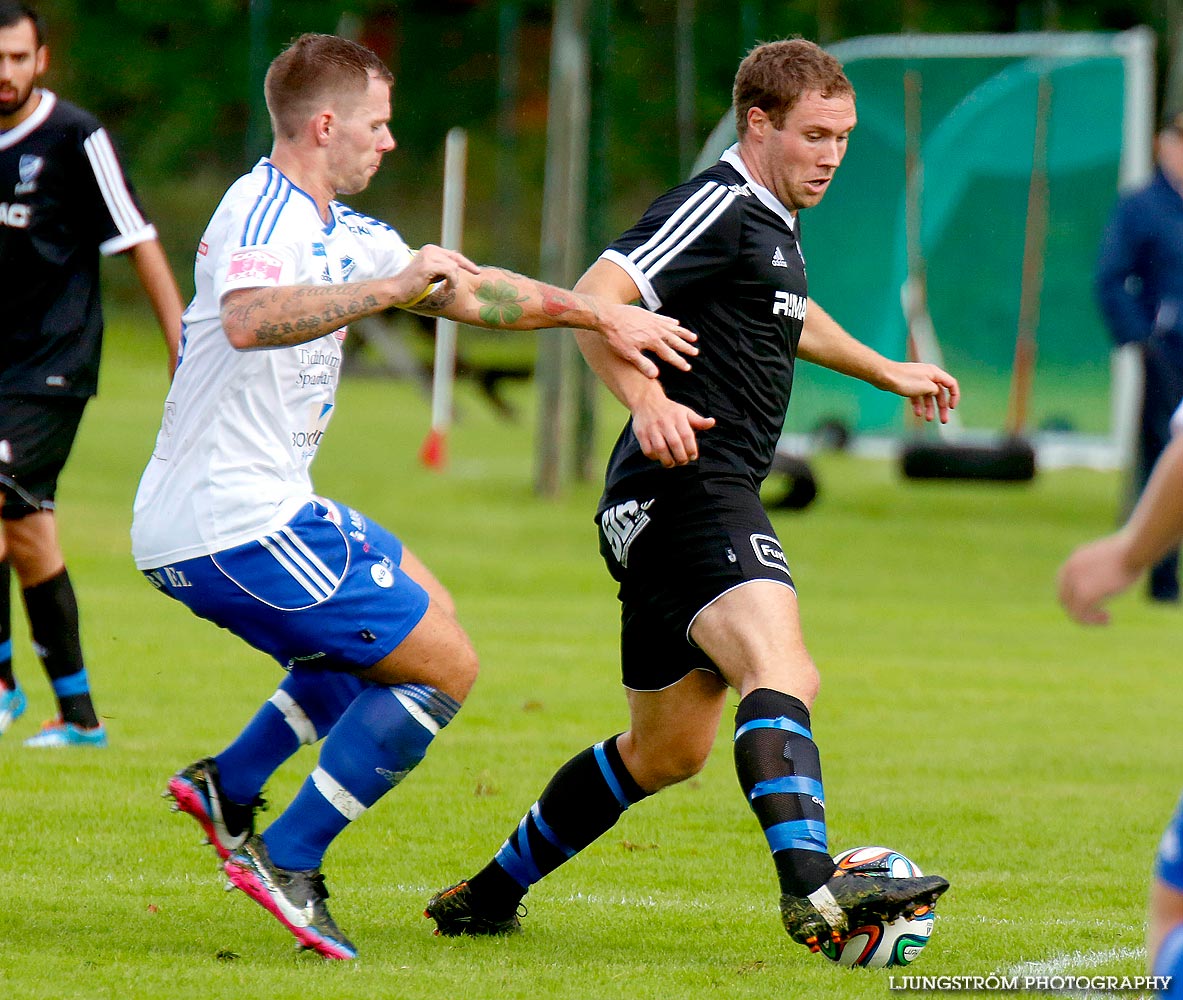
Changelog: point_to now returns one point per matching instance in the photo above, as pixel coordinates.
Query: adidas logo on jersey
(778, 259)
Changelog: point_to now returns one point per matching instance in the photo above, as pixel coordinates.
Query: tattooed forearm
(437, 302)
(280, 317)
(555, 301)
(304, 328)
(313, 291)
(500, 302)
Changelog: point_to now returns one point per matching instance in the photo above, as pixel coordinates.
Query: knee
(466, 668)
(658, 767)
(810, 684)
(802, 681)
(458, 669)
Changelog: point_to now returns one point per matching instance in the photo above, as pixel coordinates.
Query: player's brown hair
(775, 75)
(312, 69)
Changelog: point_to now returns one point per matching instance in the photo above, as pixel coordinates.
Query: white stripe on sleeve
(687, 230)
(113, 185)
(652, 268)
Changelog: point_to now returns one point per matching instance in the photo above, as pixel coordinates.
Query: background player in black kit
(63, 202)
(707, 599)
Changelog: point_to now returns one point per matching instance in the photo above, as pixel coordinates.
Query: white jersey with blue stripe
(241, 428)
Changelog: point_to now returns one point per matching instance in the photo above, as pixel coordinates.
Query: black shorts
(36, 435)
(676, 545)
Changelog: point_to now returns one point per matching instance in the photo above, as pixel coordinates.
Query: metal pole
(597, 236)
(1137, 47)
(563, 204)
(434, 453)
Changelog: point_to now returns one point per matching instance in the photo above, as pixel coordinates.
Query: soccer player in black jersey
(63, 202)
(707, 599)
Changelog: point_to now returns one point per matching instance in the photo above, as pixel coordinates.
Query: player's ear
(758, 121)
(322, 127)
(41, 60)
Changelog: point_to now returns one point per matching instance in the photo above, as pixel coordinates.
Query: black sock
(780, 772)
(6, 677)
(584, 799)
(53, 621)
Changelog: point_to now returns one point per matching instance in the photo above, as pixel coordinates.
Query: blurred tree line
(178, 84)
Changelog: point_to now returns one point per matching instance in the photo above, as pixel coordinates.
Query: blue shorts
(1168, 865)
(325, 590)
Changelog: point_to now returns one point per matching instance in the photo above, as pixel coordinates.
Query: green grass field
(962, 721)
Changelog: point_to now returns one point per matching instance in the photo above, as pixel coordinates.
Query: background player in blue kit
(226, 520)
(707, 599)
(65, 201)
(1097, 571)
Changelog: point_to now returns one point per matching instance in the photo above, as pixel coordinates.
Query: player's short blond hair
(313, 70)
(774, 76)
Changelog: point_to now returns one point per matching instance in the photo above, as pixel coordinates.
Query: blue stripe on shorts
(324, 590)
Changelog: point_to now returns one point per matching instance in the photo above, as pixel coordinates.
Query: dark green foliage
(174, 83)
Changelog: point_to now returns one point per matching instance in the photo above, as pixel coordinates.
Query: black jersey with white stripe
(63, 201)
(720, 254)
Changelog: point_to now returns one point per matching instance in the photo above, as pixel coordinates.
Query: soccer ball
(880, 944)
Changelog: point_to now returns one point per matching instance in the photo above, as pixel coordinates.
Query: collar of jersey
(34, 121)
(731, 157)
(328, 226)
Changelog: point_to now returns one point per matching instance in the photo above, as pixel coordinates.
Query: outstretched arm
(665, 430)
(498, 299)
(1105, 567)
(824, 342)
(160, 286)
(294, 314)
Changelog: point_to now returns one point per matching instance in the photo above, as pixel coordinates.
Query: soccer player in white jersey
(1097, 571)
(64, 203)
(226, 520)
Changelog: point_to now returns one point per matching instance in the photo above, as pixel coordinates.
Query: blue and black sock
(780, 773)
(584, 799)
(53, 621)
(302, 711)
(383, 734)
